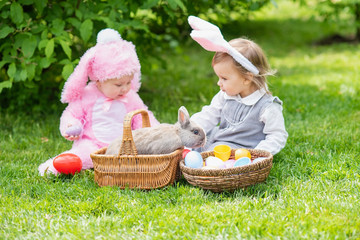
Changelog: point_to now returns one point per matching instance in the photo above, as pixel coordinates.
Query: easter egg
(258, 159)
(214, 162)
(73, 130)
(185, 152)
(67, 163)
(242, 152)
(242, 162)
(193, 159)
(229, 163)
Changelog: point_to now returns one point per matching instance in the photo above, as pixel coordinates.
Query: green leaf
(109, 23)
(5, 31)
(180, 4)
(44, 34)
(26, 2)
(78, 14)
(49, 49)
(30, 69)
(66, 48)
(57, 26)
(74, 22)
(29, 46)
(40, 5)
(38, 29)
(44, 63)
(20, 38)
(137, 24)
(2, 4)
(23, 75)
(2, 63)
(172, 4)
(42, 44)
(11, 70)
(16, 13)
(86, 29)
(67, 70)
(4, 14)
(149, 4)
(5, 84)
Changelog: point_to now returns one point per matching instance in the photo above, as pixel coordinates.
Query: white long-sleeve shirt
(237, 117)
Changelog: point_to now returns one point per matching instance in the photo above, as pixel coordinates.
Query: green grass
(312, 191)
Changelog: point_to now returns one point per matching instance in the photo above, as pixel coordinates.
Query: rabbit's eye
(196, 132)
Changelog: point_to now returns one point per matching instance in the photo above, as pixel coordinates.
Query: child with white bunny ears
(98, 108)
(243, 114)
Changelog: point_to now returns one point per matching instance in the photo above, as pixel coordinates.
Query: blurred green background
(41, 41)
(313, 189)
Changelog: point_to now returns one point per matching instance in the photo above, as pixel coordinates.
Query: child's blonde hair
(255, 55)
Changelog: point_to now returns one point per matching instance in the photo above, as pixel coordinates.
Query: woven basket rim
(96, 154)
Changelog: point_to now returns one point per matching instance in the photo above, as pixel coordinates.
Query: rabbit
(165, 138)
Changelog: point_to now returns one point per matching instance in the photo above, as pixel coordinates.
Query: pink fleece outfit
(100, 118)
(100, 122)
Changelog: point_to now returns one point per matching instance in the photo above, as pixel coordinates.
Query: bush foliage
(41, 40)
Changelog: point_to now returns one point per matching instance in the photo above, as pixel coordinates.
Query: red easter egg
(67, 163)
(185, 151)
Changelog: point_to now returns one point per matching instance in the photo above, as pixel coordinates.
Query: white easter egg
(230, 163)
(258, 159)
(214, 162)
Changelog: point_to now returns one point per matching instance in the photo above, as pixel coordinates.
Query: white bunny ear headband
(209, 37)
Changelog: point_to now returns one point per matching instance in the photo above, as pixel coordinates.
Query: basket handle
(127, 145)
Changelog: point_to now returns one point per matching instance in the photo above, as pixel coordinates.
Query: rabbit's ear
(184, 118)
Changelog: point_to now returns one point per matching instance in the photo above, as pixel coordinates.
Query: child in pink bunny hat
(96, 110)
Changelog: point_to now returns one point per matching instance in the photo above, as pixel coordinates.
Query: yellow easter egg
(242, 152)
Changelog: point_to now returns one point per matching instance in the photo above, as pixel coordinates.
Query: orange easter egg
(242, 152)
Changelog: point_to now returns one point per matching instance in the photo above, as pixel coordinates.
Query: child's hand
(73, 133)
(71, 138)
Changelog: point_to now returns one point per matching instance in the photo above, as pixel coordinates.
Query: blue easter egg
(242, 161)
(194, 160)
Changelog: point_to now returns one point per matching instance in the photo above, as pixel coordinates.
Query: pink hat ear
(136, 83)
(77, 81)
(210, 40)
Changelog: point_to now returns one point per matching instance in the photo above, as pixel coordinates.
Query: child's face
(115, 88)
(231, 80)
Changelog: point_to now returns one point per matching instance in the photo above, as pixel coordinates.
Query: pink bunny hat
(111, 57)
(209, 37)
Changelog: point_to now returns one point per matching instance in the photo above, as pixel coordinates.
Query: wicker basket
(130, 170)
(219, 180)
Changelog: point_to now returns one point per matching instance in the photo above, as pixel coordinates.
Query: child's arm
(274, 129)
(210, 115)
(71, 116)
